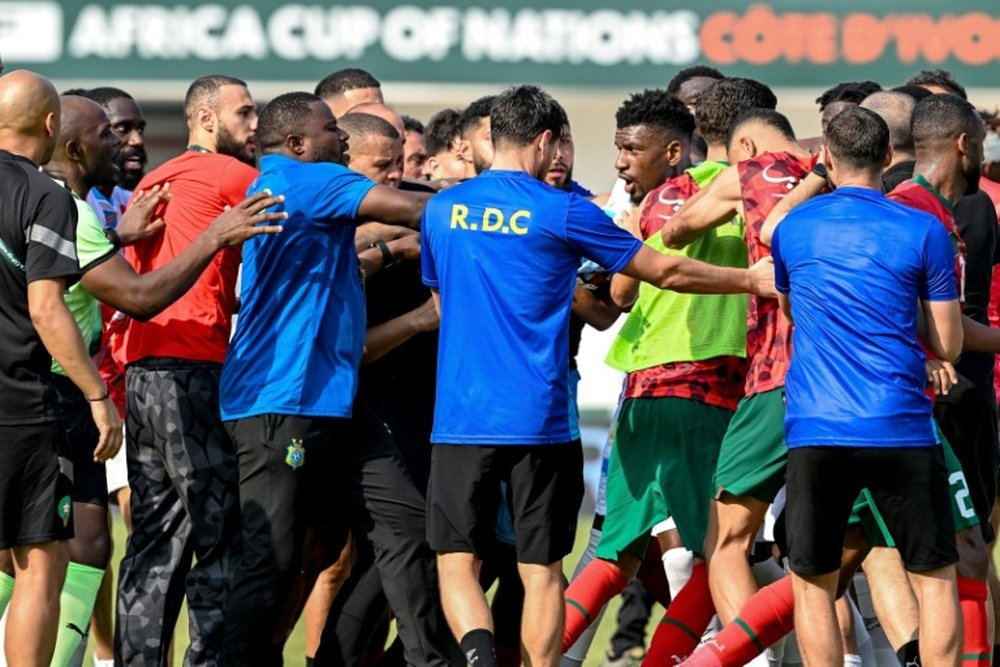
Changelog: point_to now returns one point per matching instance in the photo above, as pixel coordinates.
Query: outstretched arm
(117, 284)
(683, 274)
(393, 206)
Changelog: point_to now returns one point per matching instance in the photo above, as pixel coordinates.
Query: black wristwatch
(112, 236)
(387, 258)
(820, 170)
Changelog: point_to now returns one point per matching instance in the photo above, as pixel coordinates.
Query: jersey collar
(924, 183)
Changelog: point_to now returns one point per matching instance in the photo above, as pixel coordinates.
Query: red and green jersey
(764, 181)
(918, 193)
(716, 381)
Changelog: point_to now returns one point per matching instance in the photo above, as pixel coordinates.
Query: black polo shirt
(37, 241)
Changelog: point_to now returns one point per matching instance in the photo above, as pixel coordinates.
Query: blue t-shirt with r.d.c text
(502, 249)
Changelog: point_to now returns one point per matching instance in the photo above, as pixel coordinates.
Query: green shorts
(661, 466)
(754, 456)
(866, 515)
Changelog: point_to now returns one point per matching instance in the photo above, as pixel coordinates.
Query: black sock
(909, 654)
(996, 655)
(477, 645)
(310, 662)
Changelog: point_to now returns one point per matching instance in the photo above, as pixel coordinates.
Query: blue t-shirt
(854, 264)
(503, 250)
(301, 328)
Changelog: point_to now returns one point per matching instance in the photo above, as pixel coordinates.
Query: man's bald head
(383, 112)
(78, 115)
(29, 115)
(896, 109)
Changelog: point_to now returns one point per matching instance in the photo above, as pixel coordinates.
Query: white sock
(852, 660)
(103, 663)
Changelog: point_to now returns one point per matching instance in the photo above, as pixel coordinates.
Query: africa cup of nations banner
(554, 42)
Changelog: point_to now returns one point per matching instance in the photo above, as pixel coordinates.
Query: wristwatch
(387, 258)
(112, 236)
(820, 170)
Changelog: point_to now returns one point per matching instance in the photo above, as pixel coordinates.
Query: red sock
(684, 622)
(586, 596)
(976, 647)
(766, 617)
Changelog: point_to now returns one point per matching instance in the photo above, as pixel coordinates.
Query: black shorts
(90, 480)
(908, 484)
(35, 485)
(969, 421)
(546, 489)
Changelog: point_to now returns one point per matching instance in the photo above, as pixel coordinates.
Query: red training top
(196, 326)
(765, 180)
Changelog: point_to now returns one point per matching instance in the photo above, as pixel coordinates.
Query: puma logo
(75, 628)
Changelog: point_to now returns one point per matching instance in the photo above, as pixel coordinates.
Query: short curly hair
(657, 109)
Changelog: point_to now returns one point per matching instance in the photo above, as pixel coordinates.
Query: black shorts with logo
(908, 484)
(90, 480)
(36, 484)
(545, 491)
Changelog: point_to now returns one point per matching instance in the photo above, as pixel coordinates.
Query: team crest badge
(64, 508)
(295, 454)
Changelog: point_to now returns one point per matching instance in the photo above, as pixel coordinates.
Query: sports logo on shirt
(789, 181)
(64, 508)
(295, 454)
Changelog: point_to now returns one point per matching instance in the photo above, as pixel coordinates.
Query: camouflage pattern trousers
(183, 474)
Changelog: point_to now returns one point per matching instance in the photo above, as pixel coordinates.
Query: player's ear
(205, 119)
(888, 159)
(749, 146)
(674, 153)
(296, 144)
(544, 140)
(73, 151)
(963, 144)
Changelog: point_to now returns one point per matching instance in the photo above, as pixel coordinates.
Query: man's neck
(202, 140)
(865, 180)
(514, 160)
(25, 147)
(943, 177)
(899, 157)
(73, 179)
(775, 142)
(716, 153)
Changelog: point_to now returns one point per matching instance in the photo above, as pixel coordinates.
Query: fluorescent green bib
(667, 327)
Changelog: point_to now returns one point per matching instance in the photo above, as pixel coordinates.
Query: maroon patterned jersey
(764, 180)
(664, 202)
(717, 381)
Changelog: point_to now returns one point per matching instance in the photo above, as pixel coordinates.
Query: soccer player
(38, 262)
(288, 388)
(347, 88)
(506, 225)
(684, 381)
(474, 128)
(385, 113)
(83, 158)
(415, 149)
(181, 464)
(444, 147)
(853, 266)
(767, 162)
(651, 149)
